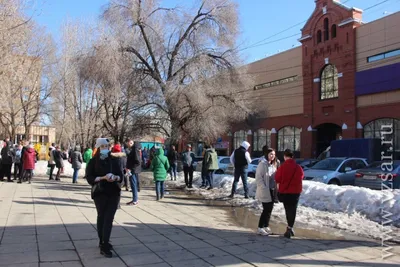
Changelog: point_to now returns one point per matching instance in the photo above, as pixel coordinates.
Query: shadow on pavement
(137, 244)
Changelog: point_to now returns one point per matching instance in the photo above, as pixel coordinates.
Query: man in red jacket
(289, 179)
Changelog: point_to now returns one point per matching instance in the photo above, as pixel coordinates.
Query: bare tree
(189, 59)
(26, 70)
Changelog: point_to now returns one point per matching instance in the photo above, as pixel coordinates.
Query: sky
(261, 20)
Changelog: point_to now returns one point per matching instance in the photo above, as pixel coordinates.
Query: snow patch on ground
(353, 209)
(41, 169)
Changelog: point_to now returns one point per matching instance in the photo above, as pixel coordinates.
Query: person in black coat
(104, 173)
(134, 168)
(173, 162)
(7, 160)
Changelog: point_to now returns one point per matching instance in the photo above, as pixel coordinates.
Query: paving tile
(58, 245)
(21, 248)
(163, 246)
(141, 259)
(176, 255)
(131, 249)
(190, 263)
(226, 261)
(208, 252)
(59, 255)
(16, 258)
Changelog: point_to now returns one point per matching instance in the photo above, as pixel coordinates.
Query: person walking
(240, 159)
(7, 159)
(76, 162)
(29, 163)
(51, 163)
(266, 188)
(17, 162)
(133, 168)
(59, 160)
(87, 155)
(173, 162)
(289, 180)
(211, 163)
(159, 166)
(104, 174)
(117, 152)
(187, 160)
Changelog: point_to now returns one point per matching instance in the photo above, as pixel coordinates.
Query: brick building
(343, 81)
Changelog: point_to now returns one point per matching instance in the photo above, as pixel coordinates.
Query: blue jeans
(240, 173)
(172, 170)
(75, 176)
(160, 189)
(134, 187)
(204, 180)
(210, 178)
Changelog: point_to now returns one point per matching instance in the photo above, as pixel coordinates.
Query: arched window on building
(238, 138)
(261, 137)
(333, 31)
(329, 82)
(319, 36)
(326, 29)
(378, 128)
(289, 138)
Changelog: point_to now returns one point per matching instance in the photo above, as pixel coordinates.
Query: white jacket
(265, 180)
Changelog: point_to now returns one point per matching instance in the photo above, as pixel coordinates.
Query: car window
(225, 161)
(359, 164)
(329, 164)
(255, 162)
(349, 163)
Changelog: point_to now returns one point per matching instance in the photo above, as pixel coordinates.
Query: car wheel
(219, 172)
(334, 182)
(251, 174)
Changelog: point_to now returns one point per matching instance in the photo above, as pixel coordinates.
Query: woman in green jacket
(159, 167)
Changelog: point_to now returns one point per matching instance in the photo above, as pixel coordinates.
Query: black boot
(288, 233)
(105, 250)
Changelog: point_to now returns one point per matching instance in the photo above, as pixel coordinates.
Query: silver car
(338, 171)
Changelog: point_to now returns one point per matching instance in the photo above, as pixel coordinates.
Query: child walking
(159, 167)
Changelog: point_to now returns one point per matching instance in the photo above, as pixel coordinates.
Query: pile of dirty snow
(353, 209)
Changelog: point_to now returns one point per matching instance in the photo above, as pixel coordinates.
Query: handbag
(281, 196)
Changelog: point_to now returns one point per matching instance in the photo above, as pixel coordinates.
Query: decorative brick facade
(334, 38)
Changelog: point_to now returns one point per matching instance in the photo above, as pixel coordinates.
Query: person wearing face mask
(266, 188)
(104, 173)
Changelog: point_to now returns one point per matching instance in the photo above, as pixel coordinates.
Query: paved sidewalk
(53, 224)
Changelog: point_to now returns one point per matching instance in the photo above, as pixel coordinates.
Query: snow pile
(352, 209)
(41, 169)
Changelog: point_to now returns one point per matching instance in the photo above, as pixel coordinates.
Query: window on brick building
(319, 37)
(326, 29)
(238, 138)
(261, 137)
(329, 82)
(333, 31)
(374, 129)
(289, 138)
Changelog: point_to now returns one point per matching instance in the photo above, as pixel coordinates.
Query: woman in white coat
(265, 179)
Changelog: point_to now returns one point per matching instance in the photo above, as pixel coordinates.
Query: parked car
(306, 163)
(374, 177)
(339, 171)
(223, 163)
(253, 167)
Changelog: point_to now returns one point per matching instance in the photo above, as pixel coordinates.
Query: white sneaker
(268, 230)
(261, 231)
